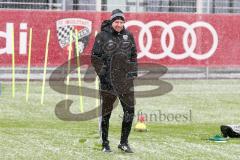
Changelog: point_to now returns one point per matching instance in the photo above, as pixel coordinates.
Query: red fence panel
(165, 38)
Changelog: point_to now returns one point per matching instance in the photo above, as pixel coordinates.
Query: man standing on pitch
(115, 61)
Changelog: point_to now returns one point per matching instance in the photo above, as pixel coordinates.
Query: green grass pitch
(29, 130)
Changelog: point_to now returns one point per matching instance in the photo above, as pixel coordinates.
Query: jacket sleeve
(133, 59)
(97, 52)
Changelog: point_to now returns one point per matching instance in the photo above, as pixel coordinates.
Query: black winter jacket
(109, 44)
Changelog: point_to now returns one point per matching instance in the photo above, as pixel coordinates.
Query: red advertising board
(165, 38)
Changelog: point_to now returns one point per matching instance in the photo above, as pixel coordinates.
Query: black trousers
(127, 102)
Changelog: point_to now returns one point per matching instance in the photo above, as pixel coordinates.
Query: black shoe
(106, 148)
(125, 148)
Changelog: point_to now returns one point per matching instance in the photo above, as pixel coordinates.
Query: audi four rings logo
(167, 48)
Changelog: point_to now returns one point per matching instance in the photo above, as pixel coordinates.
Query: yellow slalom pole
(45, 66)
(79, 71)
(29, 63)
(13, 66)
(69, 65)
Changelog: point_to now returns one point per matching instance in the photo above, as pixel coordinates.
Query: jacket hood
(106, 26)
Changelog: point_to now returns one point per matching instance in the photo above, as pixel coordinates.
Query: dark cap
(117, 14)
